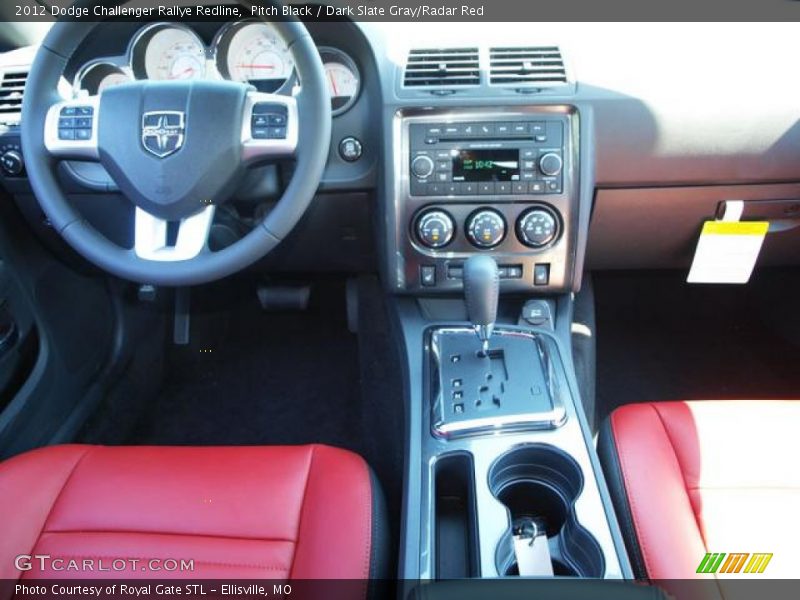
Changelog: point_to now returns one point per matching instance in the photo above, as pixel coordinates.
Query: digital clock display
(486, 165)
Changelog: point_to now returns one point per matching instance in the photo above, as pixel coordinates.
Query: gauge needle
(186, 71)
(333, 84)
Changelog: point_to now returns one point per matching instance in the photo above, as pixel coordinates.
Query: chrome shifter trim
(528, 421)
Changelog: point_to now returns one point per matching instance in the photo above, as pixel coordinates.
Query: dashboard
(653, 136)
(248, 51)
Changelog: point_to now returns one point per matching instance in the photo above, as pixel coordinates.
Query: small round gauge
(168, 52)
(96, 77)
(254, 52)
(343, 78)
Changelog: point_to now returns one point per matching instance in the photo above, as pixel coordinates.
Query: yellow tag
(727, 251)
(759, 228)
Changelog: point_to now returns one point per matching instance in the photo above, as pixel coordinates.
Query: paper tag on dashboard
(727, 251)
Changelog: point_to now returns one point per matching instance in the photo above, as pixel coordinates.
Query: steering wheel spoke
(71, 127)
(152, 236)
(270, 127)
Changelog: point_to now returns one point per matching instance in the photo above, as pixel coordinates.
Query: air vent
(442, 67)
(11, 89)
(542, 66)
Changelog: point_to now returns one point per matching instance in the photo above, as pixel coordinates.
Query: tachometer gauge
(253, 52)
(95, 77)
(168, 52)
(343, 78)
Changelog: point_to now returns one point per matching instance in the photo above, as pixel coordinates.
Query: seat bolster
(609, 459)
(335, 537)
(30, 485)
(655, 494)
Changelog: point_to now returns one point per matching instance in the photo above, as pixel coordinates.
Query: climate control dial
(435, 228)
(537, 227)
(486, 228)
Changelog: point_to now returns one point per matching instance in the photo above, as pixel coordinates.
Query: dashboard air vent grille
(442, 67)
(11, 89)
(541, 65)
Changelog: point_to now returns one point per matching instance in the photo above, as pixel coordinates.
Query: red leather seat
(301, 512)
(689, 478)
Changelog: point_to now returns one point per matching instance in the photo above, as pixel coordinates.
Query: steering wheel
(176, 150)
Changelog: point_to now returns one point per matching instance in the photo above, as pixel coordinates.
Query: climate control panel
(485, 228)
(502, 182)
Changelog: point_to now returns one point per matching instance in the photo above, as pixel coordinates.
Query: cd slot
(481, 140)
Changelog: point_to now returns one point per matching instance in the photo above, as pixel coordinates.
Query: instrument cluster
(247, 51)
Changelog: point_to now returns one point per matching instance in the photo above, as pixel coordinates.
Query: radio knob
(537, 227)
(550, 164)
(435, 228)
(486, 228)
(422, 166)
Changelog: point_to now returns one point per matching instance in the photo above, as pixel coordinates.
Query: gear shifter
(481, 289)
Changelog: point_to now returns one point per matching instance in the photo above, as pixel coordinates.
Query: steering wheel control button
(537, 227)
(269, 121)
(427, 275)
(541, 274)
(350, 149)
(422, 166)
(550, 164)
(435, 229)
(75, 123)
(486, 228)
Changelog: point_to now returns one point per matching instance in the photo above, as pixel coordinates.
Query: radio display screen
(486, 165)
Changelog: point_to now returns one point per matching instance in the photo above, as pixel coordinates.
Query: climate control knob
(550, 164)
(486, 228)
(435, 228)
(422, 166)
(537, 227)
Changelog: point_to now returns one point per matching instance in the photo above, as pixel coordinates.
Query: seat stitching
(681, 467)
(194, 561)
(631, 497)
(167, 533)
(745, 487)
(303, 503)
(86, 452)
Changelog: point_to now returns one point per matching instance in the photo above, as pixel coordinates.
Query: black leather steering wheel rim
(313, 105)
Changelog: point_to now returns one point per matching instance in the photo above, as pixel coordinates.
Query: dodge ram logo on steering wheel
(163, 132)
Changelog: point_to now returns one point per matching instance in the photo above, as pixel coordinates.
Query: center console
(499, 181)
(502, 476)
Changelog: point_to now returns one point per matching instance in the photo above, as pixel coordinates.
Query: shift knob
(481, 291)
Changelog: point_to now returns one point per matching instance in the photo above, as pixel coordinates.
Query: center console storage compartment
(456, 518)
(541, 482)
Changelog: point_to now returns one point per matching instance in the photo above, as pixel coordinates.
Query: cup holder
(541, 482)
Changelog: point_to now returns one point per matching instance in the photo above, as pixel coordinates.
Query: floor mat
(249, 377)
(659, 338)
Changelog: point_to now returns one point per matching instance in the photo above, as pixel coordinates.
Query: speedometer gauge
(254, 52)
(168, 52)
(343, 79)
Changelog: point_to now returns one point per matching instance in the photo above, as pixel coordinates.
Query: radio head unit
(519, 158)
